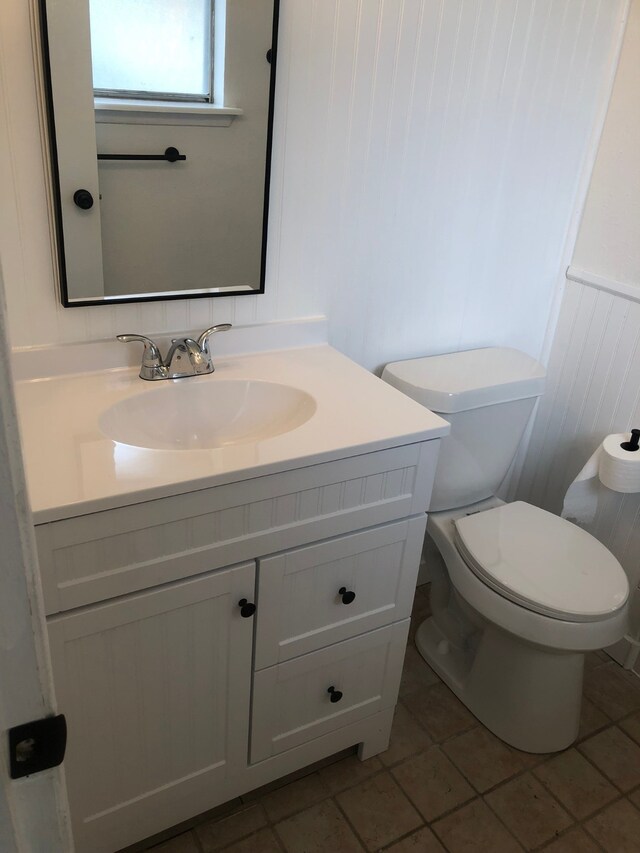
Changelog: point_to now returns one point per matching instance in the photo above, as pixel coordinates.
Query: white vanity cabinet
(175, 701)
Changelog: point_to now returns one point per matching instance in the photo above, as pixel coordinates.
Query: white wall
(594, 370)
(609, 240)
(427, 155)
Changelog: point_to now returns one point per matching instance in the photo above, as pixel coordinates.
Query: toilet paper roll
(612, 466)
(619, 468)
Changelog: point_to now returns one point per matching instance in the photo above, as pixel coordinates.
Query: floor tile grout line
(510, 831)
(439, 838)
(330, 794)
(406, 835)
(597, 731)
(628, 717)
(615, 667)
(588, 831)
(590, 837)
(440, 745)
(481, 799)
(435, 740)
(600, 769)
(520, 772)
(565, 808)
(199, 844)
(546, 844)
(279, 839)
(281, 844)
(619, 799)
(602, 809)
(382, 769)
(444, 814)
(349, 822)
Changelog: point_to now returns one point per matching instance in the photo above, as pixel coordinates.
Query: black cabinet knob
(347, 595)
(83, 199)
(246, 608)
(336, 695)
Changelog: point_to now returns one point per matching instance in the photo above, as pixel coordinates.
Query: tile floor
(447, 784)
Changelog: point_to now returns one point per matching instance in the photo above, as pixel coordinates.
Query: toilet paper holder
(634, 443)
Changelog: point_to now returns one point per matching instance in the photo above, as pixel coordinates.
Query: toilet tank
(487, 395)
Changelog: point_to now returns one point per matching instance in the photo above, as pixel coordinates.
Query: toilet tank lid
(459, 381)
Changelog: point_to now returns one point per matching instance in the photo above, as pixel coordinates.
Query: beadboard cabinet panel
(98, 556)
(155, 688)
(300, 605)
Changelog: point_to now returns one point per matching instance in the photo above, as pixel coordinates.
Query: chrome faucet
(186, 357)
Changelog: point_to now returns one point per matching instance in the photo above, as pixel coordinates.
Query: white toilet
(520, 594)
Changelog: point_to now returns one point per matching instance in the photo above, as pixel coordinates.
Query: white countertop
(73, 469)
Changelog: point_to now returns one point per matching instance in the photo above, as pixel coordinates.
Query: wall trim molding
(600, 282)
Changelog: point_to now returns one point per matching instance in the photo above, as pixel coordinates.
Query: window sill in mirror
(129, 111)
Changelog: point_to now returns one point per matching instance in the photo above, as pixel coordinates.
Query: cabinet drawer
(292, 701)
(300, 608)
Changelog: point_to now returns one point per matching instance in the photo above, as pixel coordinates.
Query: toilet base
(530, 697)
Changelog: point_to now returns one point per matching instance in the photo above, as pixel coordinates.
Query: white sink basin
(196, 415)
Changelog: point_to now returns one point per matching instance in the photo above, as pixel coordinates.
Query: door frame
(34, 813)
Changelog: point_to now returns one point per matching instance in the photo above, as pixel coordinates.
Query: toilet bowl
(520, 594)
(510, 649)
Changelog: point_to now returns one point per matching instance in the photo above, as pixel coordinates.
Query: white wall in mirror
(427, 160)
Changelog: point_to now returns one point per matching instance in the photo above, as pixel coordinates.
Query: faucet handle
(151, 352)
(203, 340)
(151, 359)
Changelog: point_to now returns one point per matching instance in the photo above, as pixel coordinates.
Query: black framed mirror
(160, 123)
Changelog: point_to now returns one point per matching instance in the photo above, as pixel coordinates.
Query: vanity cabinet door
(156, 691)
(315, 596)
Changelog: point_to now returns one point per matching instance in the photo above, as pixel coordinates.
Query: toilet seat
(542, 562)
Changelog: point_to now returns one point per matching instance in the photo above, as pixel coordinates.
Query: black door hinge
(37, 746)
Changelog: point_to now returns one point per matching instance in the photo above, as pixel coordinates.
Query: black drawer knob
(336, 695)
(347, 595)
(247, 609)
(83, 199)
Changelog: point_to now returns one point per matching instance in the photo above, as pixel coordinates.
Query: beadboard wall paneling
(594, 372)
(458, 132)
(427, 155)
(593, 389)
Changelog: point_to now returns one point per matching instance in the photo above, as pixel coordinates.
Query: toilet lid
(542, 562)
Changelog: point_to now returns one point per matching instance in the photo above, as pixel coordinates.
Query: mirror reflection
(160, 123)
